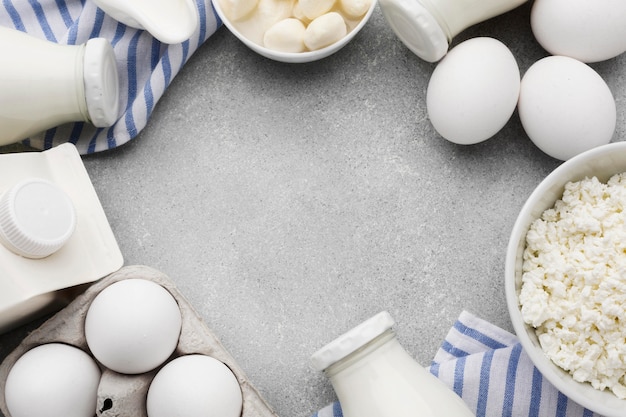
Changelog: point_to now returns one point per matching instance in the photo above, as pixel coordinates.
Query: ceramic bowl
(602, 162)
(354, 26)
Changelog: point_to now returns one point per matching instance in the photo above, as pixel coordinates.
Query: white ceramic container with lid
(46, 84)
(374, 376)
(427, 27)
(44, 266)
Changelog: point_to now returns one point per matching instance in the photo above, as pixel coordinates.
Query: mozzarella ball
(324, 31)
(285, 36)
(355, 8)
(315, 8)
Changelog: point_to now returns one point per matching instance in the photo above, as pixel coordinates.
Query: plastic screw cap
(36, 218)
(417, 28)
(352, 340)
(101, 82)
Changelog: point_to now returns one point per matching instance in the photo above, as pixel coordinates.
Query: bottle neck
(454, 16)
(360, 354)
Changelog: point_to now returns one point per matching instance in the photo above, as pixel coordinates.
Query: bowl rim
(295, 57)
(575, 168)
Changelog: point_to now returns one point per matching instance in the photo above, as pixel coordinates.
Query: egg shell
(566, 107)
(194, 386)
(473, 91)
(587, 30)
(121, 395)
(53, 380)
(132, 326)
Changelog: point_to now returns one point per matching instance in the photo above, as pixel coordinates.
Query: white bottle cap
(101, 82)
(352, 340)
(416, 27)
(36, 218)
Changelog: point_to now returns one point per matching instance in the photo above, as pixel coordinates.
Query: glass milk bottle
(44, 84)
(427, 27)
(373, 376)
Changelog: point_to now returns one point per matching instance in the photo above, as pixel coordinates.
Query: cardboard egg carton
(122, 395)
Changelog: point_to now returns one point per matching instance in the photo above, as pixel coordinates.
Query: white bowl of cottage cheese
(565, 278)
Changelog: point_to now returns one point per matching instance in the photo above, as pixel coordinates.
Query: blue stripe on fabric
(217, 17)
(43, 22)
(185, 46)
(97, 24)
(337, 411)
(202, 29)
(167, 68)
(120, 29)
(452, 350)
(434, 369)
(76, 130)
(535, 394)
(72, 35)
(478, 336)
(14, 14)
(111, 142)
(587, 413)
(483, 387)
(459, 376)
(48, 139)
(148, 94)
(65, 13)
(561, 406)
(509, 388)
(132, 82)
(92, 142)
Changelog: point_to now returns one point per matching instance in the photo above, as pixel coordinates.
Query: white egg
(473, 91)
(53, 380)
(587, 30)
(133, 326)
(194, 386)
(566, 107)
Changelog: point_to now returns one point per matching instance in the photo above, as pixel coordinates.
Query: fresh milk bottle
(44, 84)
(374, 376)
(427, 27)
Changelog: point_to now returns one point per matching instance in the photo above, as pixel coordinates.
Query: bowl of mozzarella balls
(565, 278)
(294, 31)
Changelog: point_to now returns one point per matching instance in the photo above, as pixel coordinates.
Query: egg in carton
(120, 394)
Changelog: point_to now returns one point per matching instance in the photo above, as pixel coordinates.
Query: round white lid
(416, 27)
(36, 218)
(352, 340)
(101, 82)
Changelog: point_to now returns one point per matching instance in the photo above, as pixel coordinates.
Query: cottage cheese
(574, 282)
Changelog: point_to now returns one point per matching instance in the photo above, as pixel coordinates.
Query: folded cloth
(145, 65)
(487, 367)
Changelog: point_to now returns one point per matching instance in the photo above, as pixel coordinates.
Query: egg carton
(123, 395)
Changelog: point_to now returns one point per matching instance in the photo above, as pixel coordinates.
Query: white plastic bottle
(373, 376)
(427, 27)
(44, 84)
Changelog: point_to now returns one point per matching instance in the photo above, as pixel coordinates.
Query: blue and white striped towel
(487, 367)
(145, 65)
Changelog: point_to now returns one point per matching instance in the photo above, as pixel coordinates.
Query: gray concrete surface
(291, 202)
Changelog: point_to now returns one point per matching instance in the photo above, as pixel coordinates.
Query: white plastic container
(374, 376)
(427, 27)
(44, 84)
(54, 235)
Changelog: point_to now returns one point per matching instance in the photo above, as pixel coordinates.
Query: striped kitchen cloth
(487, 367)
(145, 65)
